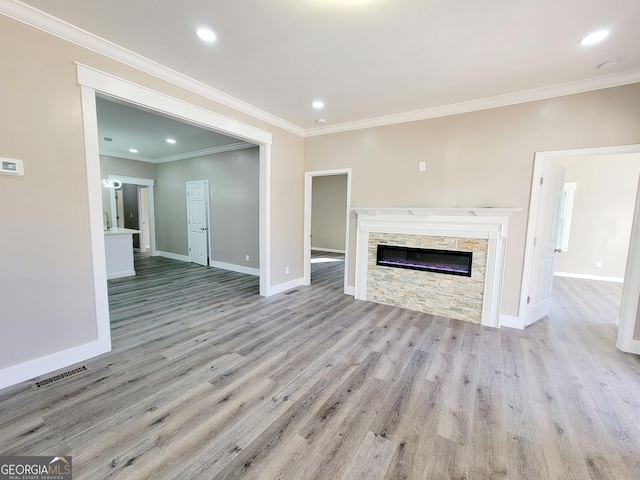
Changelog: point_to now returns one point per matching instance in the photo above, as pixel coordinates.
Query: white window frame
(566, 211)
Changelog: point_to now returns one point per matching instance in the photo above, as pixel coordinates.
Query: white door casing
(545, 241)
(308, 201)
(198, 221)
(142, 182)
(94, 81)
(627, 340)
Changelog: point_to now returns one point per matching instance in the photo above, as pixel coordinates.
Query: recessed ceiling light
(133, 150)
(206, 34)
(171, 141)
(321, 121)
(594, 37)
(317, 104)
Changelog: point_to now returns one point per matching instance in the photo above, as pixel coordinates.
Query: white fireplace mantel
(457, 211)
(484, 222)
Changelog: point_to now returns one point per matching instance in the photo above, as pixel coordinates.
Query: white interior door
(198, 221)
(545, 241)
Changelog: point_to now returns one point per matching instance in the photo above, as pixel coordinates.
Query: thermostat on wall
(11, 166)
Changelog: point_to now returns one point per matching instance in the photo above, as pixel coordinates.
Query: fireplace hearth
(448, 262)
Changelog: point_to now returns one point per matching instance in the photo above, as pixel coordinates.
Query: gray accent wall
(602, 214)
(233, 202)
(329, 212)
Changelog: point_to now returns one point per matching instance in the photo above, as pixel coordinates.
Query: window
(564, 220)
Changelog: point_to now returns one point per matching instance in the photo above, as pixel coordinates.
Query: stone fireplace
(437, 285)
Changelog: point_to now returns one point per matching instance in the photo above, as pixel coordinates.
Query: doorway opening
(91, 82)
(541, 213)
(327, 204)
(139, 206)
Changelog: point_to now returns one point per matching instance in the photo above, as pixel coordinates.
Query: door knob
(558, 250)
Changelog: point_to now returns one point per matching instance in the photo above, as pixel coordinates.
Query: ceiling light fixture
(317, 104)
(594, 37)
(206, 34)
(171, 141)
(133, 150)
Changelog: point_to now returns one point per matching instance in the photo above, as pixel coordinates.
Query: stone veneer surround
(475, 299)
(451, 296)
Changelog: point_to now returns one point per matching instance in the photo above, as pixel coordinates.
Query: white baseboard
(50, 363)
(349, 290)
(127, 273)
(173, 256)
(632, 346)
(330, 250)
(589, 277)
(283, 287)
(221, 265)
(511, 321)
(235, 268)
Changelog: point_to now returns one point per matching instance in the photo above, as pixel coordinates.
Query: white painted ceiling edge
(68, 32)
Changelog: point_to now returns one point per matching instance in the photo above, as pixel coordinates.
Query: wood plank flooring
(209, 380)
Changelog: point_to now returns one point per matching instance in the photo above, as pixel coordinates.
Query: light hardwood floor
(209, 380)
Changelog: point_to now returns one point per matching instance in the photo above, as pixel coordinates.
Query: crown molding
(126, 156)
(570, 88)
(66, 31)
(54, 26)
(207, 151)
(180, 156)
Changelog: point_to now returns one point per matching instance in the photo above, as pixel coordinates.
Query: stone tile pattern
(450, 296)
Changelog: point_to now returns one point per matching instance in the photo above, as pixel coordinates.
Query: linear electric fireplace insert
(451, 262)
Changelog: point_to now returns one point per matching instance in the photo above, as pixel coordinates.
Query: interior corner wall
(602, 214)
(45, 243)
(329, 212)
(233, 205)
(478, 159)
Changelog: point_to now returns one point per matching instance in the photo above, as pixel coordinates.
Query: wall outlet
(286, 270)
(598, 264)
(422, 166)
(246, 258)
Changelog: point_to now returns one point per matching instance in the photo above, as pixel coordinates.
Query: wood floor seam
(207, 379)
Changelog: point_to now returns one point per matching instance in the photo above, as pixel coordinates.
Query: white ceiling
(371, 58)
(128, 127)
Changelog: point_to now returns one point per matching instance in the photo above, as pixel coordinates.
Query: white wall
(602, 214)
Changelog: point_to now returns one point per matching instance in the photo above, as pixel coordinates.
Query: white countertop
(120, 231)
